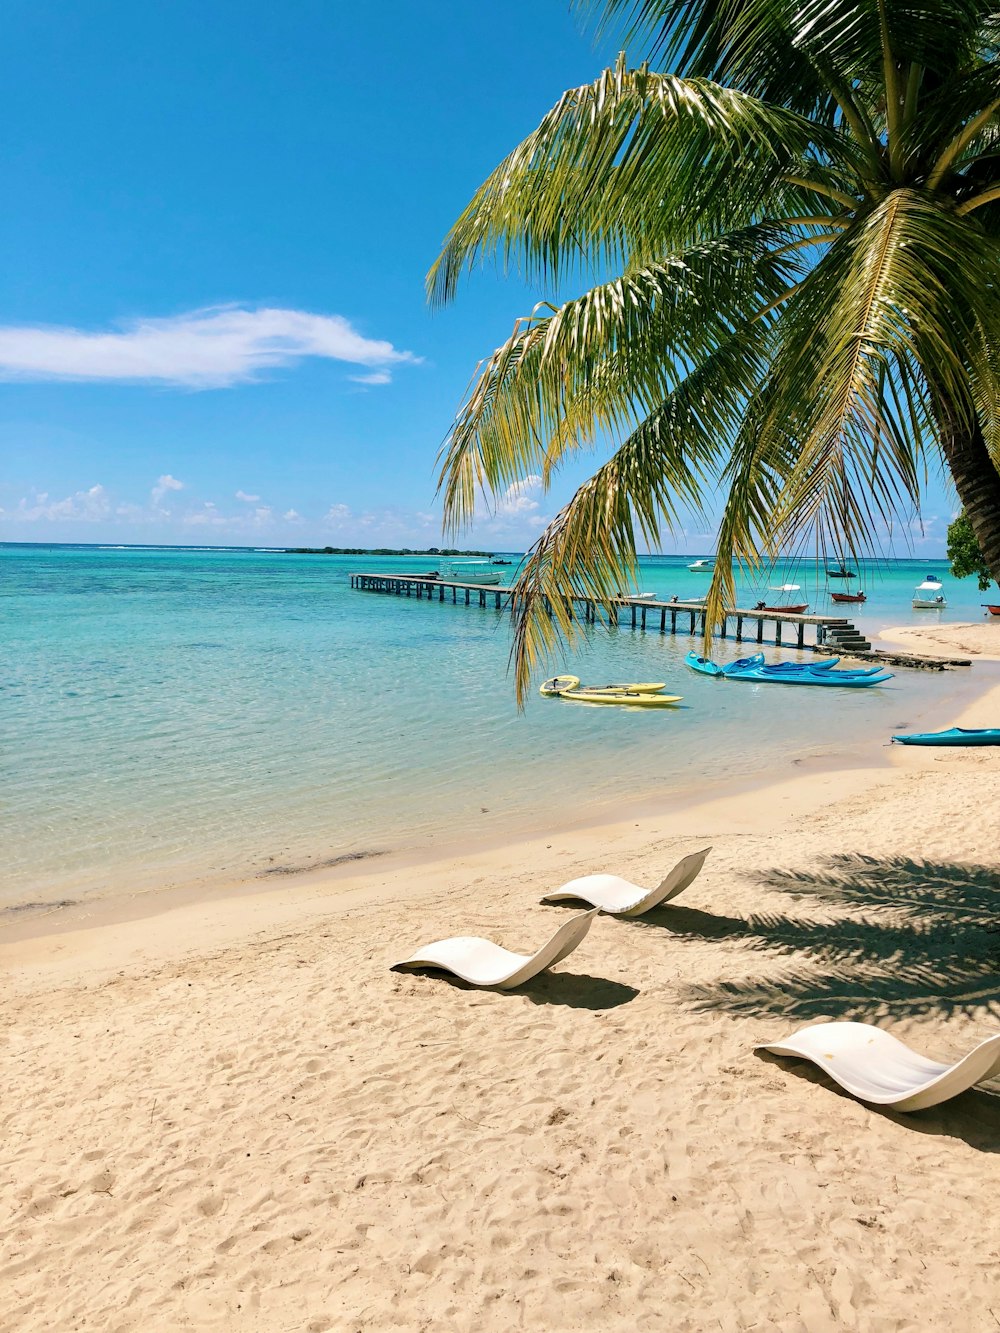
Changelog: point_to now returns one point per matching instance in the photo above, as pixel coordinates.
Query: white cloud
(250, 499)
(163, 485)
(519, 497)
(375, 377)
(203, 349)
(292, 516)
(91, 506)
(338, 514)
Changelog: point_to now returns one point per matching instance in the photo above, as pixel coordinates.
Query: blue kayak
(953, 736)
(750, 669)
(827, 665)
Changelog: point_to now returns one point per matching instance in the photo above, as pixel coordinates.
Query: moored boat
(702, 566)
(952, 736)
(473, 571)
(787, 608)
(842, 572)
(991, 609)
(928, 596)
(848, 597)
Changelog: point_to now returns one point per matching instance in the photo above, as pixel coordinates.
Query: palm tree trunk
(976, 479)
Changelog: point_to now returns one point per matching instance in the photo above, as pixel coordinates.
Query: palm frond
(632, 166)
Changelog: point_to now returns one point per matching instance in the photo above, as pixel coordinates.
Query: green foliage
(792, 249)
(964, 553)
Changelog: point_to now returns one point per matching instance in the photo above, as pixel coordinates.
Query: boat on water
(500, 562)
(929, 595)
(784, 608)
(702, 566)
(841, 572)
(473, 571)
(848, 597)
(788, 673)
(991, 609)
(953, 736)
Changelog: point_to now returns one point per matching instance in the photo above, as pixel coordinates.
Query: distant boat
(848, 597)
(841, 573)
(472, 571)
(928, 596)
(702, 566)
(500, 562)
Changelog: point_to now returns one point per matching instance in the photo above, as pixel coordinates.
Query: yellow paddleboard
(621, 697)
(558, 684)
(629, 687)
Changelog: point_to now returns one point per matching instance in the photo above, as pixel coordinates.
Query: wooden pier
(672, 617)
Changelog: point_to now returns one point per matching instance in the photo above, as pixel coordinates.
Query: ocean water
(179, 716)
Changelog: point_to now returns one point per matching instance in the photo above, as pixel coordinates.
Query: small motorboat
(749, 669)
(431, 574)
(788, 609)
(473, 571)
(841, 573)
(702, 566)
(928, 596)
(500, 562)
(991, 609)
(953, 736)
(562, 684)
(848, 597)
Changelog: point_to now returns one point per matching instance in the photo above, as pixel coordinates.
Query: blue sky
(217, 223)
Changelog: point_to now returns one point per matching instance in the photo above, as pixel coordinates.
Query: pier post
(777, 631)
(760, 629)
(739, 629)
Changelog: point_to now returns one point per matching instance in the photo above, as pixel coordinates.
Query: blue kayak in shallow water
(793, 673)
(953, 736)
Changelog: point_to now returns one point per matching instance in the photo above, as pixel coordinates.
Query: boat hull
(784, 610)
(848, 597)
(929, 604)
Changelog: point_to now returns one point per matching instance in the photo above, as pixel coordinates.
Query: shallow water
(171, 716)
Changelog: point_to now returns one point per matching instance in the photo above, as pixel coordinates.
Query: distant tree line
(377, 550)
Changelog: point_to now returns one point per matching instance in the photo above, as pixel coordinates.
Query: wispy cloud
(90, 506)
(374, 377)
(204, 349)
(163, 485)
(249, 499)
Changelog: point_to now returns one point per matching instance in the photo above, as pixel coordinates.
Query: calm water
(168, 716)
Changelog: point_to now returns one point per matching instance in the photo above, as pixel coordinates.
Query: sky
(218, 218)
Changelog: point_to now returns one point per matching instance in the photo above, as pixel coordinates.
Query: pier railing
(672, 617)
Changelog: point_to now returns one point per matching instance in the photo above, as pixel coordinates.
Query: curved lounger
(876, 1067)
(483, 963)
(619, 897)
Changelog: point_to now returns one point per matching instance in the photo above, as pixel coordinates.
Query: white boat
(929, 595)
(473, 571)
(702, 566)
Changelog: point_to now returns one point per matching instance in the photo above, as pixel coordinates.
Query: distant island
(376, 550)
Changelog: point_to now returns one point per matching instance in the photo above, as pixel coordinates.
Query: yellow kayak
(631, 697)
(561, 684)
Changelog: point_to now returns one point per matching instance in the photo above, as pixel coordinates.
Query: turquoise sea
(177, 716)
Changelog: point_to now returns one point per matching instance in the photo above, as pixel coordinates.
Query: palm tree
(792, 252)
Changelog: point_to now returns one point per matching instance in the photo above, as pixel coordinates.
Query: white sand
(980, 639)
(234, 1116)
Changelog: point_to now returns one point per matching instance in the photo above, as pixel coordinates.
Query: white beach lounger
(875, 1066)
(486, 964)
(619, 897)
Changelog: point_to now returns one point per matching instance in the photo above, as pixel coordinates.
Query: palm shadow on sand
(927, 945)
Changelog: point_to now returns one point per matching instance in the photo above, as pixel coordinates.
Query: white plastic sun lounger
(619, 897)
(875, 1066)
(483, 963)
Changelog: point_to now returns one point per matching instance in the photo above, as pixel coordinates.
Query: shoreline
(32, 916)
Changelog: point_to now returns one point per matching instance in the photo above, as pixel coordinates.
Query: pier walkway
(674, 617)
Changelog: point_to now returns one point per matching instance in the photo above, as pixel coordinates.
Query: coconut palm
(789, 250)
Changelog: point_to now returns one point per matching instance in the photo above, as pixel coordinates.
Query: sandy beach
(233, 1115)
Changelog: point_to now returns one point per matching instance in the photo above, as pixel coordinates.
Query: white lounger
(486, 964)
(619, 897)
(875, 1066)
